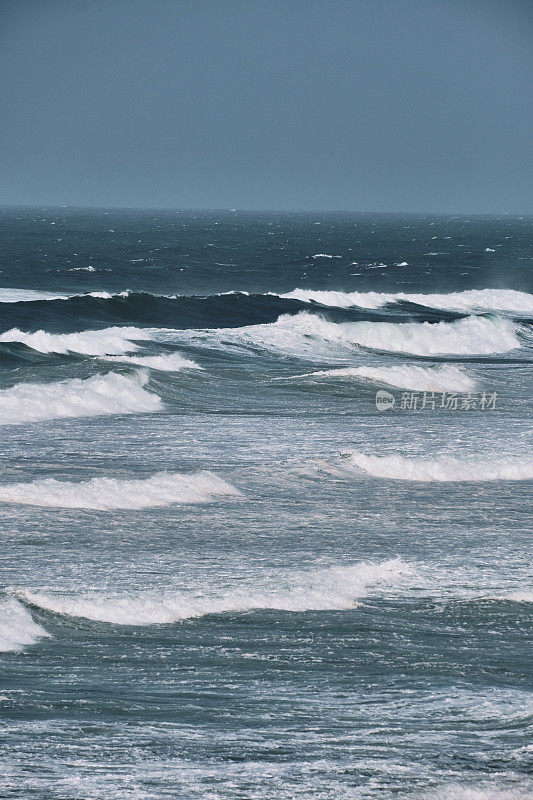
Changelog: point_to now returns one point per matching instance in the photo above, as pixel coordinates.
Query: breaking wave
(473, 335)
(340, 299)
(102, 394)
(418, 379)
(505, 300)
(25, 295)
(471, 300)
(336, 588)
(313, 337)
(109, 341)
(300, 334)
(234, 309)
(442, 469)
(468, 301)
(162, 489)
(523, 596)
(17, 628)
(173, 362)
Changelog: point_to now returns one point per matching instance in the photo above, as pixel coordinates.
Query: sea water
(227, 572)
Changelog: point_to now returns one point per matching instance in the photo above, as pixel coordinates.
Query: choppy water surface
(226, 572)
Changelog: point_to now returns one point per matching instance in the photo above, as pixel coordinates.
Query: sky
(363, 105)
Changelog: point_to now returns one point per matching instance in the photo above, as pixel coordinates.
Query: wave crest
(173, 362)
(442, 469)
(418, 379)
(109, 341)
(102, 394)
(311, 336)
(471, 300)
(17, 628)
(27, 295)
(336, 588)
(340, 299)
(162, 489)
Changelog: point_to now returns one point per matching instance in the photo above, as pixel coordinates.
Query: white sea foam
(24, 295)
(161, 489)
(17, 628)
(507, 300)
(324, 255)
(488, 791)
(522, 596)
(102, 394)
(340, 299)
(466, 336)
(419, 379)
(104, 295)
(315, 338)
(109, 341)
(471, 300)
(472, 335)
(173, 362)
(442, 469)
(335, 588)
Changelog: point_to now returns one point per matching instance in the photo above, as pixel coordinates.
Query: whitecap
(108, 341)
(101, 394)
(25, 295)
(161, 489)
(313, 337)
(17, 628)
(173, 362)
(370, 300)
(505, 300)
(333, 588)
(440, 469)
(418, 379)
(462, 791)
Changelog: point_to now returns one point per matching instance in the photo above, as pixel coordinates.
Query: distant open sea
(265, 500)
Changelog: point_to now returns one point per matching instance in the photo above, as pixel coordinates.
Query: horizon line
(213, 209)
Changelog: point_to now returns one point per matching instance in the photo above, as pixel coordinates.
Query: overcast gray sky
(385, 105)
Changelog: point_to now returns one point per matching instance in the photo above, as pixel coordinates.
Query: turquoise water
(226, 573)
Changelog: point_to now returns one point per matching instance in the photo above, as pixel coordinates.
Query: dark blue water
(228, 571)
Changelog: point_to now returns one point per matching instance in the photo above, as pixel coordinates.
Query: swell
(306, 336)
(65, 313)
(102, 310)
(313, 337)
(234, 309)
(334, 588)
(111, 393)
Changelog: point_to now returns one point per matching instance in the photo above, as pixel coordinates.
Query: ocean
(265, 504)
